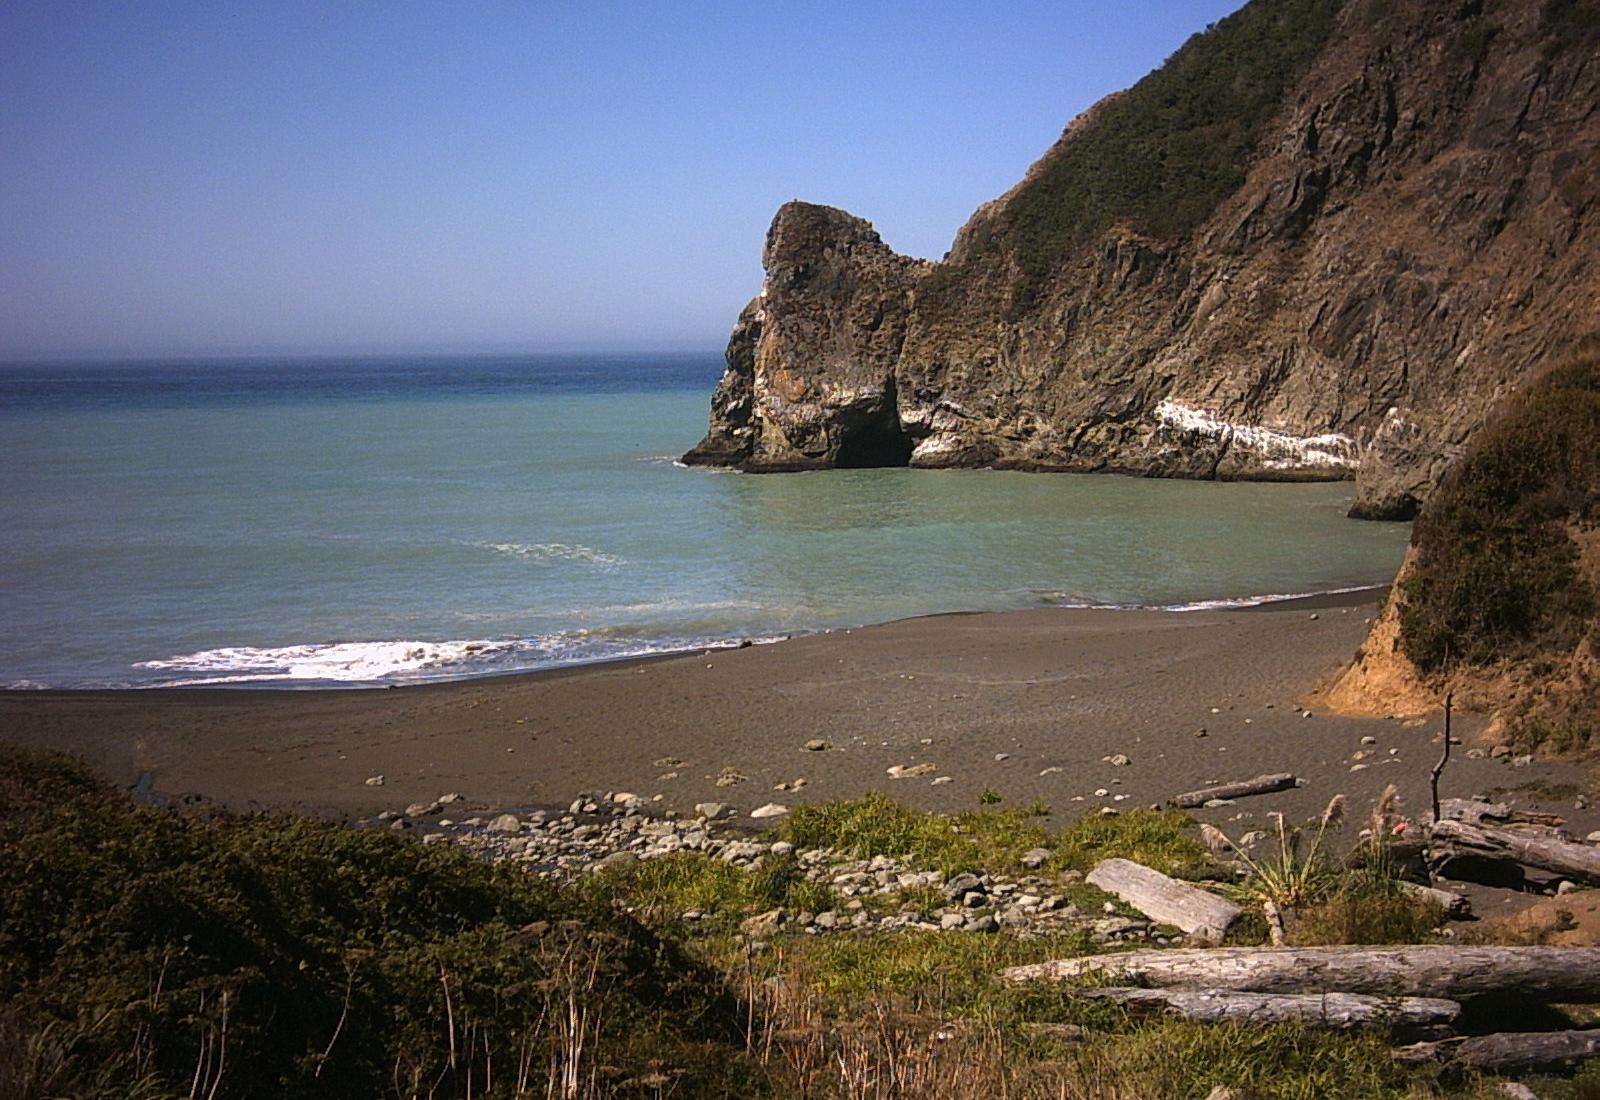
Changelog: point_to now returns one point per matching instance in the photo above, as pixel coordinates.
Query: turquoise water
(303, 522)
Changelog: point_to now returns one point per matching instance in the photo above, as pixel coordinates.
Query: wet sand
(1053, 690)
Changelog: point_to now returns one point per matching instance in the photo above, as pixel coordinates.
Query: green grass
(1283, 1062)
(661, 890)
(993, 840)
(1364, 909)
(963, 963)
(876, 825)
(1162, 839)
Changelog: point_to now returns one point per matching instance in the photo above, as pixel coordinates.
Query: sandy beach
(1024, 704)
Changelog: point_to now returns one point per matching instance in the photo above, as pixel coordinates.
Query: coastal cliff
(1319, 243)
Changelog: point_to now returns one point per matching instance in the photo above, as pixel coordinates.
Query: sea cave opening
(874, 445)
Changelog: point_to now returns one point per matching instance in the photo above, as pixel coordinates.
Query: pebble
(1118, 760)
(816, 744)
(771, 809)
(375, 781)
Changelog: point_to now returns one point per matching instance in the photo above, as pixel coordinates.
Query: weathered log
(1455, 906)
(1261, 784)
(1560, 974)
(1337, 1011)
(1508, 1052)
(1166, 900)
(1452, 841)
(1474, 812)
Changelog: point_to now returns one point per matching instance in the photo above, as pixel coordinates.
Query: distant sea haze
(314, 522)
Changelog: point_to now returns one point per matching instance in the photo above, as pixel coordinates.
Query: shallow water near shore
(317, 522)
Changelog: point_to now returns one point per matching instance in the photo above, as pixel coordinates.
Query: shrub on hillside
(1496, 573)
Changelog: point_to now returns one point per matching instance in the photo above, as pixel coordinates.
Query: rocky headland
(1321, 242)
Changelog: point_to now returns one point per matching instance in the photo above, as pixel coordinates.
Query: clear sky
(217, 176)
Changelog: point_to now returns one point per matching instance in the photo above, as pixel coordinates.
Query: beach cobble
(601, 831)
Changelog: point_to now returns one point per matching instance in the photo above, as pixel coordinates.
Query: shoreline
(1331, 598)
(1023, 705)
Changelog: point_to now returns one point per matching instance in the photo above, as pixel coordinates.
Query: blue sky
(198, 178)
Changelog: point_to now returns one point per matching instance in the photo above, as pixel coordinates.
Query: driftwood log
(1456, 906)
(1166, 900)
(1338, 1011)
(1474, 812)
(1456, 842)
(1560, 974)
(1261, 784)
(1508, 1052)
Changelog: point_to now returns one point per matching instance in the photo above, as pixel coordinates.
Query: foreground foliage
(148, 952)
(160, 953)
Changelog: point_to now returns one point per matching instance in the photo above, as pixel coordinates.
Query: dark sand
(1054, 689)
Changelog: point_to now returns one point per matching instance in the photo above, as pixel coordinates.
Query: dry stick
(1438, 769)
(449, 1013)
(222, 1052)
(1274, 923)
(350, 978)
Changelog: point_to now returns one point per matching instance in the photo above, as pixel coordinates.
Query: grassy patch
(995, 840)
(1283, 1062)
(876, 825)
(1162, 839)
(963, 964)
(1367, 910)
(661, 890)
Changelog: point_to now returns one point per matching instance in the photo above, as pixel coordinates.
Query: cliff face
(1319, 243)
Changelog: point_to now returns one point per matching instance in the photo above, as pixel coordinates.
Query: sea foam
(555, 551)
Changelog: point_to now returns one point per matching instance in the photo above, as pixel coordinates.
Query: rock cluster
(603, 831)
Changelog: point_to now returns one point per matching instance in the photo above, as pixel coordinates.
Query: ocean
(315, 522)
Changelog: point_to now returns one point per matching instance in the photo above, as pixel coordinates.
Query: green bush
(1496, 573)
(143, 949)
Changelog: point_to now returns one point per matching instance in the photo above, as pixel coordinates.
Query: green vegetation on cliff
(1163, 155)
(1504, 573)
(1497, 572)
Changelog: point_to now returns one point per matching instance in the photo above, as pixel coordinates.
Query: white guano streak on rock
(936, 445)
(1276, 450)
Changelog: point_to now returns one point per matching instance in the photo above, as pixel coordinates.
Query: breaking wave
(555, 551)
(393, 662)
